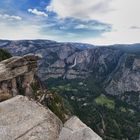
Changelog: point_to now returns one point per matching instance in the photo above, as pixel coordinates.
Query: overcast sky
(91, 21)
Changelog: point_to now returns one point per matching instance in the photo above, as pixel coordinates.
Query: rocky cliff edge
(16, 75)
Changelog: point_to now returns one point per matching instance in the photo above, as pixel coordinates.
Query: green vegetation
(4, 55)
(52, 100)
(123, 109)
(108, 116)
(66, 87)
(57, 106)
(104, 101)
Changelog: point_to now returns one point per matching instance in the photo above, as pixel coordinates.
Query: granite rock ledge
(16, 75)
(24, 119)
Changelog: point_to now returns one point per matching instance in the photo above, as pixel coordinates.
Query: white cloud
(18, 32)
(49, 8)
(116, 37)
(10, 17)
(122, 14)
(79, 8)
(135, 27)
(81, 26)
(91, 27)
(23, 31)
(37, 12)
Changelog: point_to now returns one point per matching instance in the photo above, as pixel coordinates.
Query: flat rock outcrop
(24, 119)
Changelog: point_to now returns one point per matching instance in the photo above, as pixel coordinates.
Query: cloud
(22, 31)
(116, 12)
(116, 37)
(79, 8)
(78, 27)
(37, 12)
(49, 8)
(81, 26)
(95, 26)
(122, 15)
(91, 21)
(135, 27)
(10, 17)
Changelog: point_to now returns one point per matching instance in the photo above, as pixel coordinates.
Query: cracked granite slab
(23, 119)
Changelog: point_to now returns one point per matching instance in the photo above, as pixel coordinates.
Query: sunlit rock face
(74, 129)
(16, 76)
(24, 119)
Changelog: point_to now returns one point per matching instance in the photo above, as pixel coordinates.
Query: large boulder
(24, 119)
(74, 129)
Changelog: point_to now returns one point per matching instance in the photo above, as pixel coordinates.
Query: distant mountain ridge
(59, 58)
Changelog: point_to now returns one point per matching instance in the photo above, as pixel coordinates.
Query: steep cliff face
(125, 82)
(99, 62)
(80, 63)
(16, 76)
(127, 77)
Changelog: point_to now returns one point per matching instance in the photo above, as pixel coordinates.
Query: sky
(99, 22)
